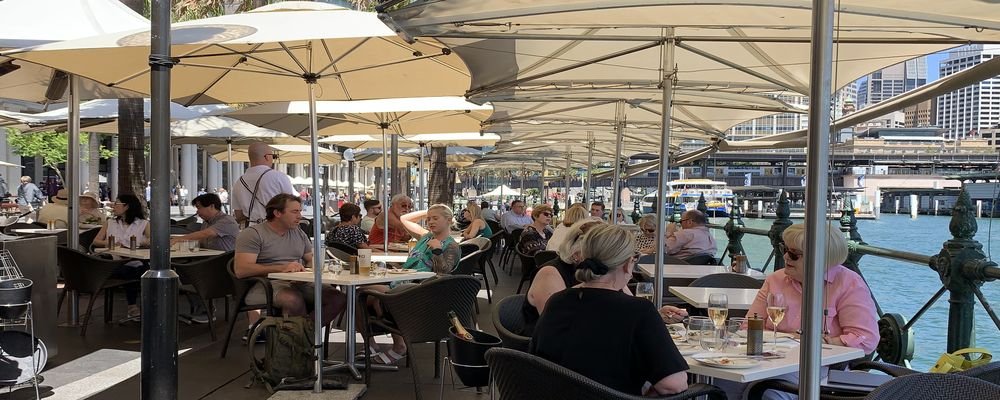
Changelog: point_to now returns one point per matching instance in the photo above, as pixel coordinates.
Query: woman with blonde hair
(573, 214)
(613, 322)
(477, 226)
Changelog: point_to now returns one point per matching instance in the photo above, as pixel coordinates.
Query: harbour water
(902, 287)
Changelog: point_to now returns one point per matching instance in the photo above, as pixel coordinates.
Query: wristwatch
(437, 252)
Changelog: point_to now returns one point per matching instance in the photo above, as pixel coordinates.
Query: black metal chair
(341, 250)
(420, 315)
(508, 320)
(528, 268)
(89, 275)
(510, 248)
(702, 259)
(728, 280)
(495, 243)
(241, 287)
(936, 386)
(87, 239)
(210, 280)
(519, 375)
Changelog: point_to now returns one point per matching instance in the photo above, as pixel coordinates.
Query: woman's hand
(671, 314)
(434, 244)
(834, 340)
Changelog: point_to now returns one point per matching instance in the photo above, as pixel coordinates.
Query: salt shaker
(755, 336)
(111, 242)
(132, 243)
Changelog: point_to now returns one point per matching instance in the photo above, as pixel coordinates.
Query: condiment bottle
(111, 242)
(132, 243)
(755, 336)
(353, 261)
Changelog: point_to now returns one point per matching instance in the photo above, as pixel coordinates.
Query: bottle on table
(459, 329)
(133, 244)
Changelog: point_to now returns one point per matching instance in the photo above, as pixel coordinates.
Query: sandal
(360, 355)
(387, 357)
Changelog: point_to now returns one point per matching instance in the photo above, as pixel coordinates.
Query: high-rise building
(968, 110)
(920, 115)
(773, 124)
(892, 81)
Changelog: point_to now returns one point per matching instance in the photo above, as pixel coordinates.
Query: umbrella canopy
(215, 130)
(297, 180)
(502, 190)
(457, 156)
(287, 153)
(473, 139)
(25, 24)
(99, 116)
(402, 115)
(261, 55)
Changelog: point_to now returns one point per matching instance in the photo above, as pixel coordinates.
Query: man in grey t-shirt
(219, 229)
(278, 245)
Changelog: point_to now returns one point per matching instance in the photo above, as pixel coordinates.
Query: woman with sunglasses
(536, 235)
(646, 238)
(573, 214)
(477, 225)
(129, 220)
(584, 324)
(849, 319)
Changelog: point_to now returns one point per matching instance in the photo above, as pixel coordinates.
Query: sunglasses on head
(791, 255)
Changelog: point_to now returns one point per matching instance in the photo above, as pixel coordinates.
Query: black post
(781, 221)
(733, 232)
(159, 285)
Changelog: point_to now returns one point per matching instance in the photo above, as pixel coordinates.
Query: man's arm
(245, 265)
(199, 235)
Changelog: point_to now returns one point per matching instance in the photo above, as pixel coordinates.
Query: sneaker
(200, 318)
(260, 339)
(133, 312)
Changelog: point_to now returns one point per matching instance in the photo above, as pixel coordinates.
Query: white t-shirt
(271, 184)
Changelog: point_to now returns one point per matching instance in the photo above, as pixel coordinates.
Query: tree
(51, 146)
(440, 187)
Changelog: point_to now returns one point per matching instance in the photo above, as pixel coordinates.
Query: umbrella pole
(669, 75)
(569, 155)
(385, 190)
(318, 251)
(616, 181)
(590, 167)
(73, 164)
(421, 182)
(541, 183)
(158, 377)
(229, 165)
(817, 160)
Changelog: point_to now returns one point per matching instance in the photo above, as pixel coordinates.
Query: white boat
(687, 192)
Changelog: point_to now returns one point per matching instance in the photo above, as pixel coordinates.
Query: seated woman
(573, 214)
(477, 224)
(436, 251)
(129, 220)
(604, 334)
(90, 209)
(851, 319)
(646, 238)
(348, 231)
(536, 235)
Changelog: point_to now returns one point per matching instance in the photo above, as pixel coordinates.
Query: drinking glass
(776, 308)
(694, 326)
(736, 327)
(714, 339)
(718, 308)
(335, 266)
(192, 245)
(644, 290)
(380, 269)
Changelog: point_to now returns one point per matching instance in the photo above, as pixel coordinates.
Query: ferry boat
(687, 192)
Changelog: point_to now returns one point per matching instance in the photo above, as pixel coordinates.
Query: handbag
(958, 362)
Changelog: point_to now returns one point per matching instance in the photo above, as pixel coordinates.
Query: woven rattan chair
(420, 315)
(728, 280)
(528, 269)
(89, 275)
(667, 260)
(519, 375)
(210, 281)
(469, 265)
(494, 245)
(509, 249)
(508, 320)
(989, 372)
(703, 259)
(936, 387)
(241, 287)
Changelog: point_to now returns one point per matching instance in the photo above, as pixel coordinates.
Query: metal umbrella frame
(251, 57)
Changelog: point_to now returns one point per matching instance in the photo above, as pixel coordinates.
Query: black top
(529, 312)
(608, 336)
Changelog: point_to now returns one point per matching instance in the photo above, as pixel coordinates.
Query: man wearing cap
(258, 184)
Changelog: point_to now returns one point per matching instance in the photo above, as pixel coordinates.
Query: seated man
(218, 231)
(373, 208)
(597, 210)
(278, 245)
(398, 206)
(693, 243)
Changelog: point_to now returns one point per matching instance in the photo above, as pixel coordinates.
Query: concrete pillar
(113, 171)
(213, 178)
(936, 204)
(897, 204)
(760, 209)
(189, 169)
(979, 208)
(746, 206)
(914, 205)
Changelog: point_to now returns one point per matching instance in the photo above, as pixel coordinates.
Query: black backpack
(288, 353)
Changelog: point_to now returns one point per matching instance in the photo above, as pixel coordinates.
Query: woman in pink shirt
(851, 319)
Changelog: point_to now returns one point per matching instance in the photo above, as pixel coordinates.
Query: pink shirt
(691, 242)
(851, 312)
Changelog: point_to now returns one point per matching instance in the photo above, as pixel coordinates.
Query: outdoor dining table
(390, 257)
(687, 271)
(772, 368)
(143, 254)
(739, 299)
(39, 231)
(350, 283)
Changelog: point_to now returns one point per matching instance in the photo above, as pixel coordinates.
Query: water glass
(694, 326)
(380, 270)
(736, 328)
(644, 290)
(334, 266)
(192, 245)
(713, 339)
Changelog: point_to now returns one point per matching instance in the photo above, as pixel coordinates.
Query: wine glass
(718, 308)
(644, 290)
(776, 307)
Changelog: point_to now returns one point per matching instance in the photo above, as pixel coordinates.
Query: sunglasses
(547, 214)
(648, 230)
(791, 255)
(273, 156)
(685, 219)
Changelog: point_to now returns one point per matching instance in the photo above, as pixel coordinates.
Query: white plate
(726, 361)
(401, 271)
(688, 349)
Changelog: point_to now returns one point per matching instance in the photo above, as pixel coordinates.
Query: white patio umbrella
(470, 139)
(280, 52)
(97, 116)
(286, 153)
(502, 190)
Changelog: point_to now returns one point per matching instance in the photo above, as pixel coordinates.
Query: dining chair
(519, 375)
(88, 275)
(241, 287)
(508, 320)
(210, 280)
(936, 386)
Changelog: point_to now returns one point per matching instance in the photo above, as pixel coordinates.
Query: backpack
(288, 350)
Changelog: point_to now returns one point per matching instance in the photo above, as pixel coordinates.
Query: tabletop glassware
(335, 266)
(694, 326)
(718, 308)
(644, 290)
(192, 245)
(776, 308)
(380, 269)
(736, 327)
(714, 339)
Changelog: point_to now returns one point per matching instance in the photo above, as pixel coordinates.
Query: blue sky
(932, 65)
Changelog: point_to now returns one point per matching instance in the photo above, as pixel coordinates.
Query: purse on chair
(958, 362)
